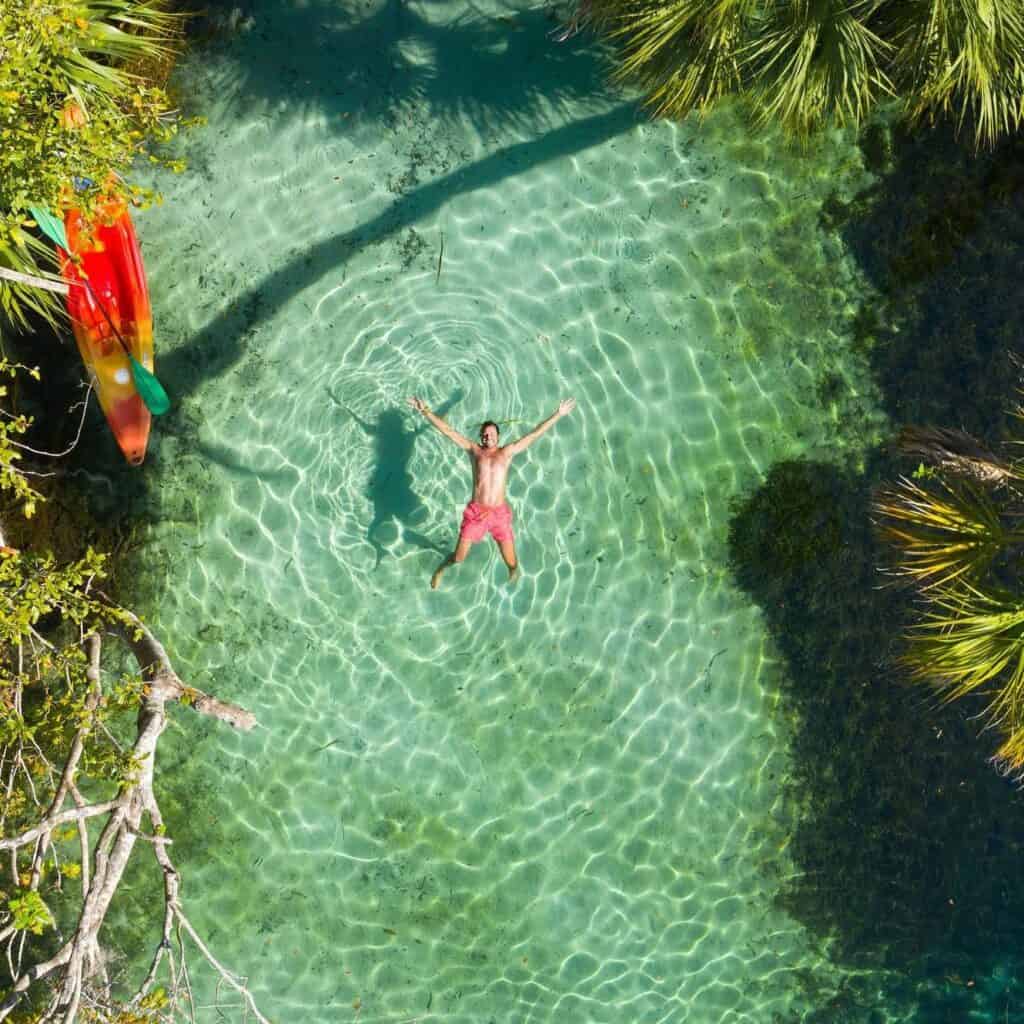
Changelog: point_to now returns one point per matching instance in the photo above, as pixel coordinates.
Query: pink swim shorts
(480, 520)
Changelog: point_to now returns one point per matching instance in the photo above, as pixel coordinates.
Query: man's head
(489, 434)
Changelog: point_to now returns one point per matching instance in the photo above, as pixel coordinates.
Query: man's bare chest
(490, 467)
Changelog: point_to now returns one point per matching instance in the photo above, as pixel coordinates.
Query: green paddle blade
(150, 390)
(50, 226)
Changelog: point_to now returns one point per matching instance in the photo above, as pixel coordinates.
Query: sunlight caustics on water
(559, 801)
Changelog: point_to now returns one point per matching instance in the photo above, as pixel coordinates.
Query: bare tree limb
(228, 977)
(46, 283)
(159, 673)
(78, 433)
(47, 825)
(79, 959)
(92, 674)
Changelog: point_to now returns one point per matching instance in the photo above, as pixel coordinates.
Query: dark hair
(490, 423)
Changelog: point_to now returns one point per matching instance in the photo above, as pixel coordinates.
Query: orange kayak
(108, 294)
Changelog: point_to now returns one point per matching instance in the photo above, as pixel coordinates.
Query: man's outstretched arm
(565, 407)
(420, 406)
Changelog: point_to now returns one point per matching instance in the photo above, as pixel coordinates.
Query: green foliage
(147, 1011)
(43, 682)
(151, 1009)
(12, 427)
(29, 913)
(961, 545)
(804, 62)
(46, 610)
(76, 99)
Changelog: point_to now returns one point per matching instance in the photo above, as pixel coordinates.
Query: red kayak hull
(108, 294)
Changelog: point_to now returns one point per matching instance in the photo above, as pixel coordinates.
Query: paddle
(150, 390)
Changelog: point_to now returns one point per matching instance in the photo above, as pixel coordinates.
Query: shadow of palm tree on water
(349, 64)
(382, 61)
(390, 485)
(226, 337)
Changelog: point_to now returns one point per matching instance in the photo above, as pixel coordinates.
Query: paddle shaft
(106, 316)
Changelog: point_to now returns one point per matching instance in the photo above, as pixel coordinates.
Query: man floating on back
(487, 511)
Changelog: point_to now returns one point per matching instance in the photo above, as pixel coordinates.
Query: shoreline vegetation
(907, 839)
(805, 65)
(82, 99)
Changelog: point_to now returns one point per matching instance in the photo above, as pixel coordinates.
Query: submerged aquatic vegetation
(958, 537)
(894, 803)
(805, 62)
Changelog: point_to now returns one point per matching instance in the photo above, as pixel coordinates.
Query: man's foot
(435, 580)
(513, 576)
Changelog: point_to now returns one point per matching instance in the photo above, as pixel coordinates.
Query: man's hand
(565, 407)
(420, 406)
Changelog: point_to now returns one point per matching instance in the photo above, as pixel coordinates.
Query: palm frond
(804, 62)
(943, 534)
(1009, 758)
(99, 58)
(972, 639)
(815, 60)
(118, 33)
(682, 53)
(22, 252)
(963, 57)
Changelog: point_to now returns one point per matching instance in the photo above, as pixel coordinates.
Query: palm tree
(805, 62)
(958, 537)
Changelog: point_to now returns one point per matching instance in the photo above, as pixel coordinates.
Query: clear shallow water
(555, 802)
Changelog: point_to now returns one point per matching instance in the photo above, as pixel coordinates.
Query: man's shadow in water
(390, 486)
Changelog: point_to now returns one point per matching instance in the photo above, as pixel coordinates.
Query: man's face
(489, 436)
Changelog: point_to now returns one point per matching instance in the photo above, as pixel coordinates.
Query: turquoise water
(558, 801)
